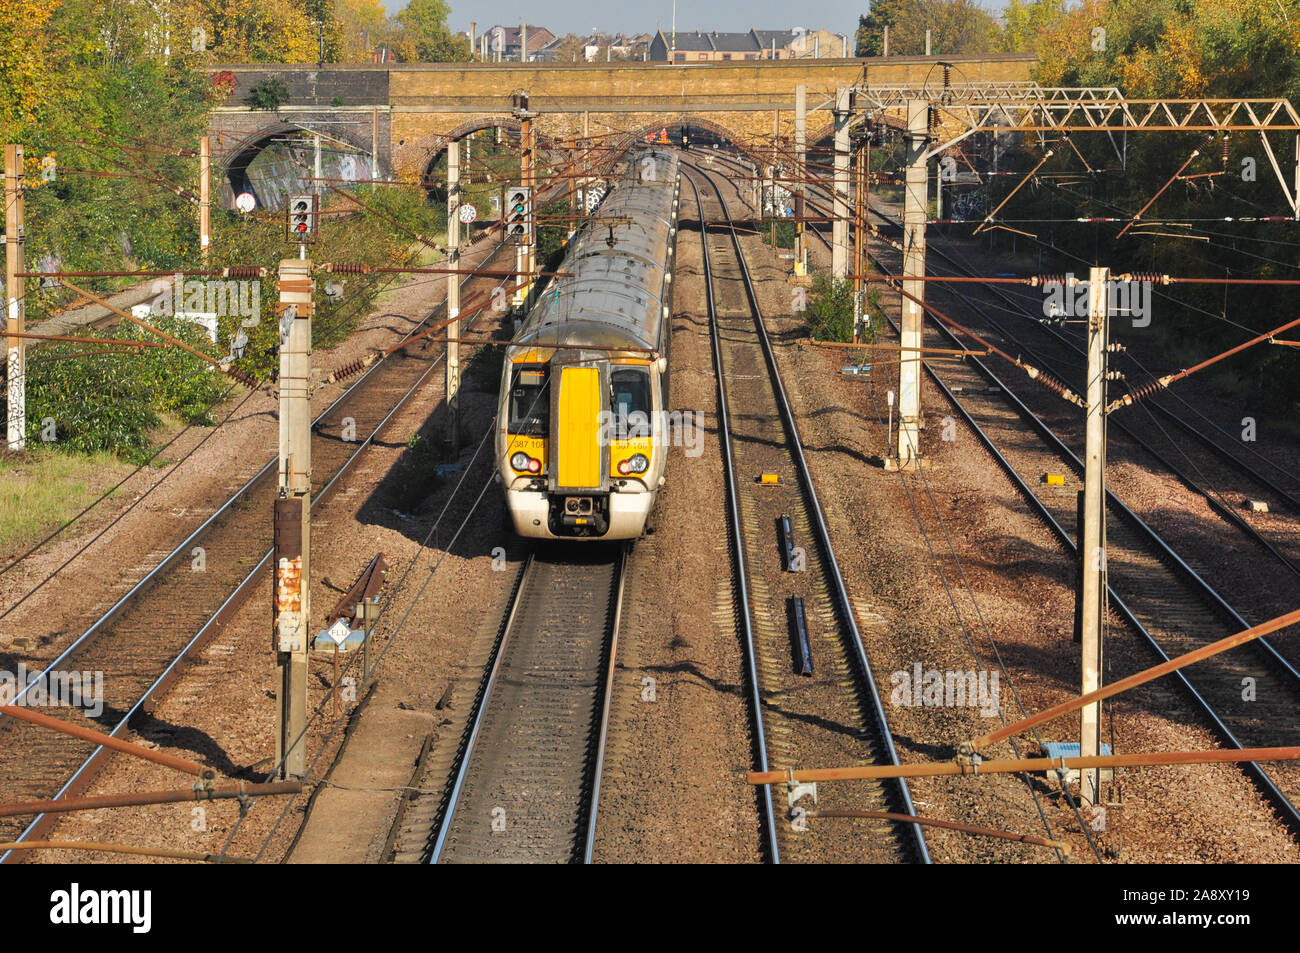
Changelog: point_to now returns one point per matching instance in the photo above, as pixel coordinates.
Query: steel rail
(598, 768)
(845, 605)
(1180, 565)
(484, 698)
(481, 707)
(768, 820)
(1261, 777)
(1211, 499)
(1222, 452)
(1231, 458)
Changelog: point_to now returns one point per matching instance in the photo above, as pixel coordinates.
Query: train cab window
(630, 400)
(530, 402)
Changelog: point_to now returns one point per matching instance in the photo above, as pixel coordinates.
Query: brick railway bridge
(406, 114)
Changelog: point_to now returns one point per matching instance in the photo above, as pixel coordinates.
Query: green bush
(783, 228)
(111, 402)
(551, 238)
(270, 94)
(830, 309)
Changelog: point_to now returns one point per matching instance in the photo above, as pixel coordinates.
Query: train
(581, 437)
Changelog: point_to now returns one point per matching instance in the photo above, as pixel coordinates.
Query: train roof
(613, 297)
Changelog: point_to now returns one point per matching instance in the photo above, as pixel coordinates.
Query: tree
(26, 80)
(956, 26)
(1154, 48)
(870, 37)
(362, 24)
(570, 48)
(1027, 22)
(257, 31)
(422, 34)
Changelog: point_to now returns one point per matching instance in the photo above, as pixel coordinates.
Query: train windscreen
(630, 393)
(530, 403)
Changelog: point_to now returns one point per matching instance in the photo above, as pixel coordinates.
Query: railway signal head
(519, 214)
(300, 224)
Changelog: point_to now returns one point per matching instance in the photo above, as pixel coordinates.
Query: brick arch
(630, 138)
(235, 151)
(824, 135)
(431, 148)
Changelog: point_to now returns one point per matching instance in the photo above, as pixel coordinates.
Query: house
(798, 43)
(503, 42)
(620, 46)
(700, 47)
(815, 44)
(550, 53)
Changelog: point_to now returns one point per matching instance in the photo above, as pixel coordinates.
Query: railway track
(1167, 603)
(1279, 485)
(1217, 466)
(525, 784)
(1141, 430)
(834, 715)
(141, 642)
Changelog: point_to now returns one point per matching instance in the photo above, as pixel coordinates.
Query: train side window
(530, 402)
(630, 399)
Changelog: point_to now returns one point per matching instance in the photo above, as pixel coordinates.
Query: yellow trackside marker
(769, 479)
(1054, 479)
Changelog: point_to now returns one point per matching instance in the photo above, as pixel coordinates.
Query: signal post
(840, 225)
(15, 307)
(913, 317)
(1093, 549)
(527, 151)
(452, 361)
(291, 556)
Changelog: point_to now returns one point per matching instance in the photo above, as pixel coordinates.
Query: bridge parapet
(415, 109)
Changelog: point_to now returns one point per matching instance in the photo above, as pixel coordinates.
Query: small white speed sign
(467, 213)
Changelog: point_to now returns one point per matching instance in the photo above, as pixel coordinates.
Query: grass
(46, 489)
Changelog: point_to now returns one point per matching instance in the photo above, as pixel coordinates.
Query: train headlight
(637, 463)
(525, 464)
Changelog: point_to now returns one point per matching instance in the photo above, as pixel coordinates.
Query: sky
(580, 16)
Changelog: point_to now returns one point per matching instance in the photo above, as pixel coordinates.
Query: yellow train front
(583, 422)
